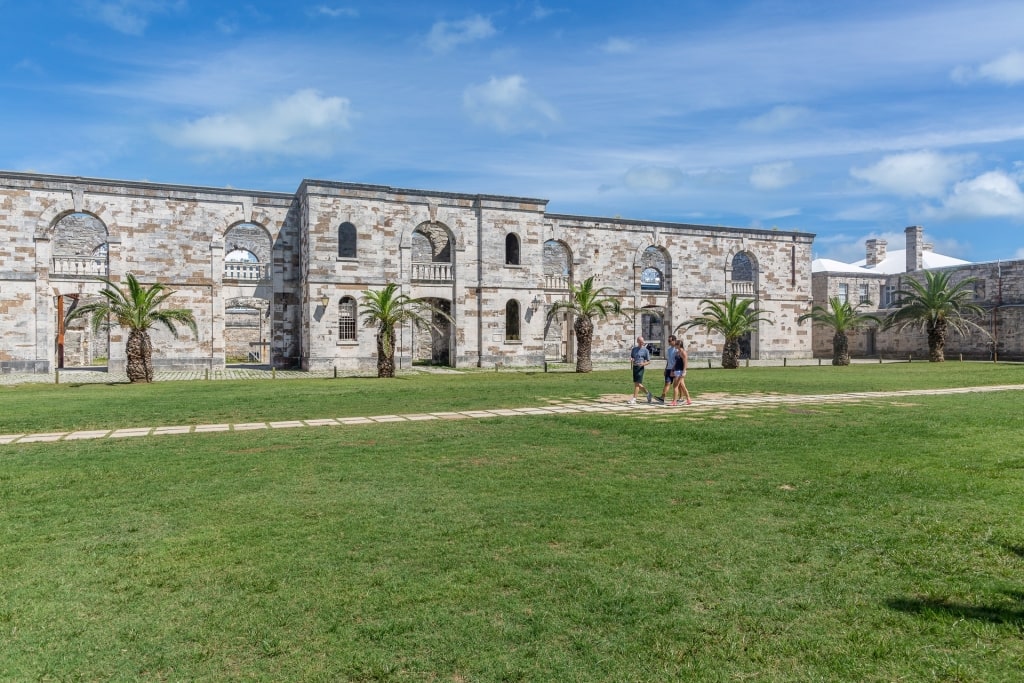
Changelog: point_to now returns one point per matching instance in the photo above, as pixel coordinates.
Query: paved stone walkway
(640, 409)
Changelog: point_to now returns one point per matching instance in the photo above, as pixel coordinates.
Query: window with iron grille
(347, 319)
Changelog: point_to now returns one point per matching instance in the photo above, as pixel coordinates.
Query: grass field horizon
(871, 541)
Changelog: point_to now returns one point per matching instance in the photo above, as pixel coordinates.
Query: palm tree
(136, 308)
(585, 302)
(386, 309)
(732, 318)
(842, 318)
(937, 306)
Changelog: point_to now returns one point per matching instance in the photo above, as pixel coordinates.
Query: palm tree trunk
(840, 349)
(385, 353)
(731, 354)
(139, 352)
(584, 328)
(937, 341)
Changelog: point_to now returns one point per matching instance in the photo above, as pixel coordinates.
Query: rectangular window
(865, 293)
(888, 296)
(844, 293)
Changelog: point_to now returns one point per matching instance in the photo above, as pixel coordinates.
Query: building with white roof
(873, 283)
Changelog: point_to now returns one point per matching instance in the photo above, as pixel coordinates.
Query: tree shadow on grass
(1017, 550)
(991, 614)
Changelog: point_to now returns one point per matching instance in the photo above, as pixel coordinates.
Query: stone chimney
(876, 252)
(915, 247)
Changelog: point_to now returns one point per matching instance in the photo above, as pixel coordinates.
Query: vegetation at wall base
(873, 541)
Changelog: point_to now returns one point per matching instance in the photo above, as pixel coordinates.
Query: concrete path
(700, 405)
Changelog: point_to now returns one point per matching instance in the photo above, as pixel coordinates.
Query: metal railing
(235, 270)
(79, 266)
(434, 272)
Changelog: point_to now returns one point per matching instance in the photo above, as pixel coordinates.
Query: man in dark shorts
(639, 358)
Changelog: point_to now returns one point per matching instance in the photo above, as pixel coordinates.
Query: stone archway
(434, 345)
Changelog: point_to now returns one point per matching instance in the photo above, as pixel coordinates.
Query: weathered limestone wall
(449, 248)
(171, 234)
(999, 290)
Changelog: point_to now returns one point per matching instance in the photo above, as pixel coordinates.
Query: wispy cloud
(618, 46)
(1007, 69)
(653, 178)
(332, 12)
(777, 118)
(305, 122)
(924, 173)
(508, 106)
(774, 176)
(130, 17)
(446, 35)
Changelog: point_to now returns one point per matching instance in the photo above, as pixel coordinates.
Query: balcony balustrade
(432, 272)
(240, 270)
(79, 266)
(558, 282)
(743, 288)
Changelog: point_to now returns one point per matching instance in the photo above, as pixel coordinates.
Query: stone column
(45, 312)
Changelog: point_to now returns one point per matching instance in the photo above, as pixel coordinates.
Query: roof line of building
(429, 193)
(670, 224)
(144, 184)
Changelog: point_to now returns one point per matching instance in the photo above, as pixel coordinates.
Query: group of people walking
(675, 372)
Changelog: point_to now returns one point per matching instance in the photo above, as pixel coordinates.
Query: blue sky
(848, 120)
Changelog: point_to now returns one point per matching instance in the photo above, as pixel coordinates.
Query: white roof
(896, 262)
(827, 265)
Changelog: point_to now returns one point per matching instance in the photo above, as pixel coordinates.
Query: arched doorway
(433, 344)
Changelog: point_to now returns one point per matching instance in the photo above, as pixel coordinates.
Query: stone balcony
(250, 272)
(79, 267)
(432, 272)
(557, 282)
(744, 289)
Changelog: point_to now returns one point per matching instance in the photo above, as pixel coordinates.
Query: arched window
(241, 256)
(242, 264)
(347, 319)
(557, 265)
(651, 278)
(346, 240)
(742, 268)
(511, 249)
(512, 320)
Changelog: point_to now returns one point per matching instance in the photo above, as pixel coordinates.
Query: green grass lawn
(45, 408)
(875, 541)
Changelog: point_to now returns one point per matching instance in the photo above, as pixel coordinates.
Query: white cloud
(777, 118)
(333, 12)
(617, 46)
(507, 105)
(445, 35)
(1008, 69)
(774, 176)
(924, 173)
(302, 123)
(1019, 254)
(130, 17)
(993, 195)
(653, 178)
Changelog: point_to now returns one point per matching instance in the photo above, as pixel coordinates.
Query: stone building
(276, 278)
(874, 281)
